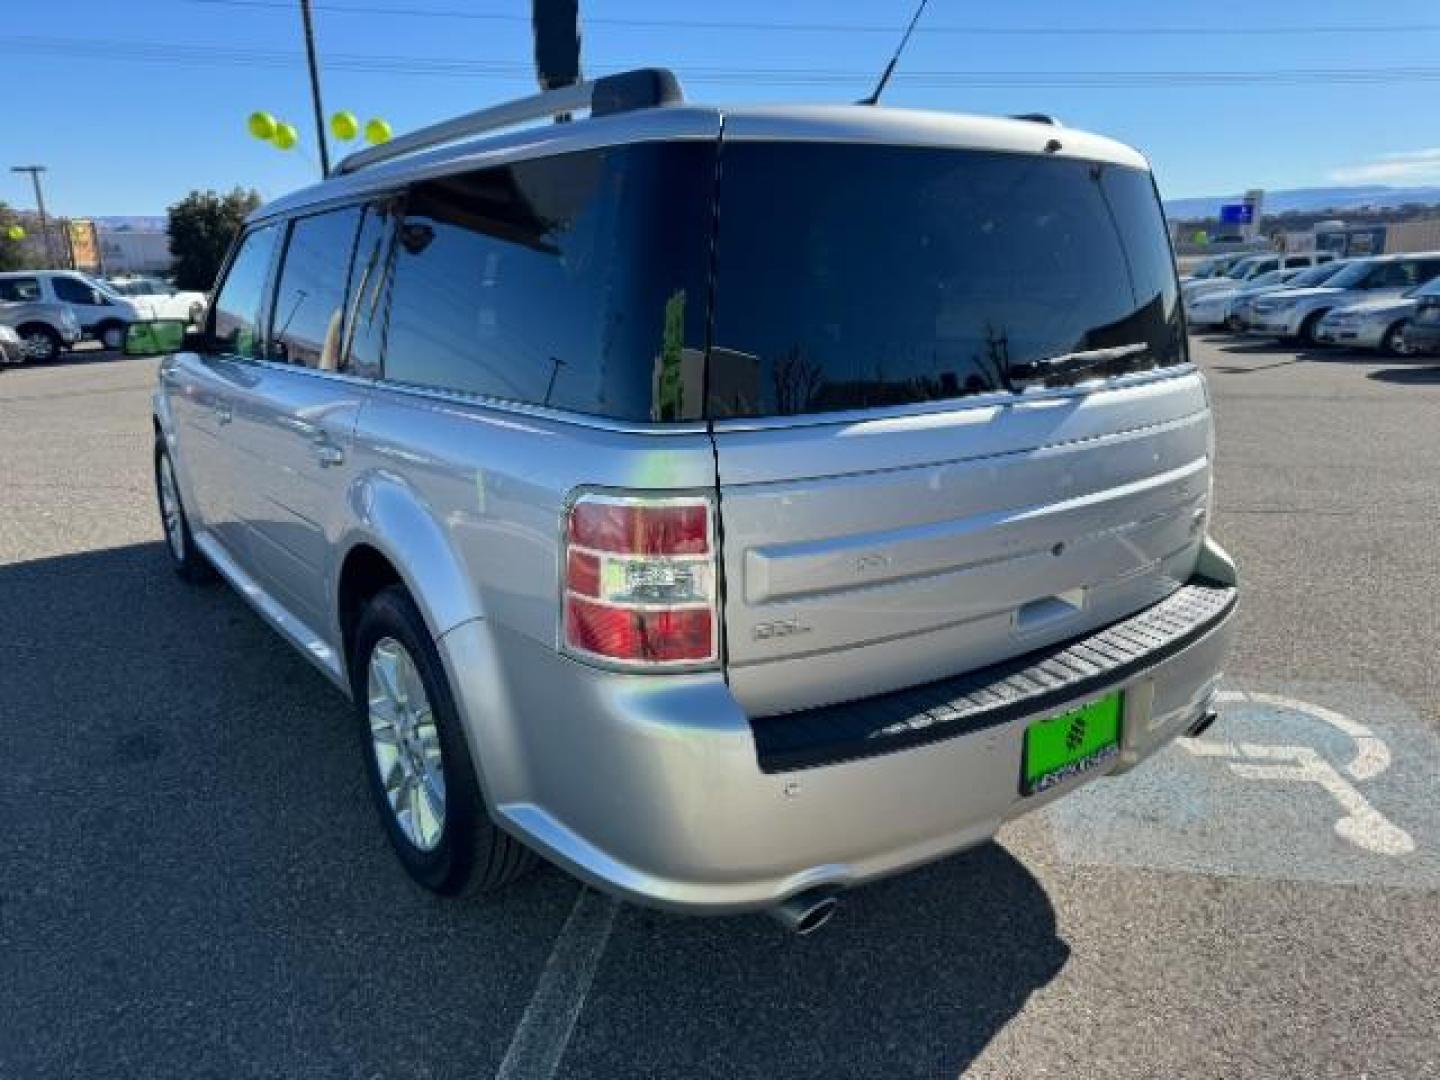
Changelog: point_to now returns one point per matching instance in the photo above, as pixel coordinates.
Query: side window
(369, 292)
(1297, 260)
(576, 281)
(19, 290)
(1427, 270)
(235, 318)
(307, 318)
(73, 291)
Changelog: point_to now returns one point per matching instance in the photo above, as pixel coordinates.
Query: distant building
(135, 251)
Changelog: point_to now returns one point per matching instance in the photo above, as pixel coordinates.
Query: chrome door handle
(327, 453)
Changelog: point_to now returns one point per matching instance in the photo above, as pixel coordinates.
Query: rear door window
(852, 276)
(19, 290)
(74, 291)
(235, 325)
(308, 314)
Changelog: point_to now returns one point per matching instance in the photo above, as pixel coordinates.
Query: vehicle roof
(817, 123)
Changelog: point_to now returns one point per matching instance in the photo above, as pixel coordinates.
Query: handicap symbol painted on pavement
(1330, 783)
(1361, 824)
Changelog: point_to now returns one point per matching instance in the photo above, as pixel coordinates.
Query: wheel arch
(395, 540)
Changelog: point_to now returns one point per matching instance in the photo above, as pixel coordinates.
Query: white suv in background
(159, 298)
(103, 314)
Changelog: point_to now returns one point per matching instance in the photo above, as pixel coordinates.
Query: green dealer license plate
(1069, 744)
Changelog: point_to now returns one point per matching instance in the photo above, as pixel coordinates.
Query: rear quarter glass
(856, 276)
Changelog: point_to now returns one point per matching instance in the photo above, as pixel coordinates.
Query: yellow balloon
(285, 136)
(377, 131)
(262, 125)
(344, 126)
(15, 232)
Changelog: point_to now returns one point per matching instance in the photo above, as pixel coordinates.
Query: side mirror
(155, 337)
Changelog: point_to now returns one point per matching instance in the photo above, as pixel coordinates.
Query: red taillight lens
(640, 580)
(636, 529)
(649, 636)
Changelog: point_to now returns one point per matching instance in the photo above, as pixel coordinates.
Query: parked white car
(1378, 323)
(160, 297)
(103, 314)
(1216, 309)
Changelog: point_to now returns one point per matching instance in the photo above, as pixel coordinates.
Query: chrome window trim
(700, 427)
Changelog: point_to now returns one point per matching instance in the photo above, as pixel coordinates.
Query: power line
(193, 55)
(855, 28)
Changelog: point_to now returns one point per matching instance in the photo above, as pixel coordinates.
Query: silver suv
(732, 506)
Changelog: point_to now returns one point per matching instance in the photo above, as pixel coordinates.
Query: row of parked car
(45, 312)
(1388, 303)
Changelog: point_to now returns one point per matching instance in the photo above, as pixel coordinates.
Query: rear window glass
(576, 282)
(860, 276)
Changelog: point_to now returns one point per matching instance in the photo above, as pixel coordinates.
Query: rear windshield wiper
(1071, 363)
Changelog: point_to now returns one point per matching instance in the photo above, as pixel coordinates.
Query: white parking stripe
(539, 1042)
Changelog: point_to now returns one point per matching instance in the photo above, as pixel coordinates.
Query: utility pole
(315, 88)
(35, 171)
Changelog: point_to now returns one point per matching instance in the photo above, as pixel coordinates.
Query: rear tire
(39, 343)
(187, 560)
(422, 779)
(111, 335)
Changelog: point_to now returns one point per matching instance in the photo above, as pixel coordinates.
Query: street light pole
(35, 171)
(315, 88)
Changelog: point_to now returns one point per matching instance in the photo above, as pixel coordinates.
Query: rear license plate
(1069, 744)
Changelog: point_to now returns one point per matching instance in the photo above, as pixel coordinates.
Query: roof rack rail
(1037, 118)
(622, 92)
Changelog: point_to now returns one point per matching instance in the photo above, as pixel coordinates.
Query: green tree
(202, 226)
(13, 255)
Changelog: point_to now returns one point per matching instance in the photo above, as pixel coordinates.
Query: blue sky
(132, 104)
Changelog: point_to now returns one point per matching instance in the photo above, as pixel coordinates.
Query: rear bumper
(666, 793)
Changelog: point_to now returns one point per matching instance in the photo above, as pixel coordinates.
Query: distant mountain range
(1338, 199)
(133, 222)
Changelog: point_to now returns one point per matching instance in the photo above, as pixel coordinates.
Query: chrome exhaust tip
(805, 912)
(1203, 724)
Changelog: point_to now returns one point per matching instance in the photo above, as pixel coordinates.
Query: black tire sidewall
(1387, 343)
(448, 868)
(1309, 326)
(106, 327)
(193, 567)
(56, 345)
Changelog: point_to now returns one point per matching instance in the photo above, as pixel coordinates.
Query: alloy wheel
(406, 744)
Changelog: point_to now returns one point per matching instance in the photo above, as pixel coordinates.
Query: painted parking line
(1325, 783)
(539, 1042)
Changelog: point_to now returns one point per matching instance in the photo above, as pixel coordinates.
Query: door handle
(326, 452)
(223, 413)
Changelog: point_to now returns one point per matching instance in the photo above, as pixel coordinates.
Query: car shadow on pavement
(914, 976)
(1416, 375)
(193, 882)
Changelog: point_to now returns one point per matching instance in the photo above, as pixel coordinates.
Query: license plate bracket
(1074, 742)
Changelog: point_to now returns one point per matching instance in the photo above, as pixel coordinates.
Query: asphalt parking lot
(192, 884)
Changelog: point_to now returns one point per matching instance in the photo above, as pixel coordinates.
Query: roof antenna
(874, 98)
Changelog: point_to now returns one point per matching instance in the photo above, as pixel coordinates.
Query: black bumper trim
(1047, 679)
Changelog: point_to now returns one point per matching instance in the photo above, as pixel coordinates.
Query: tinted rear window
(862, 276)
(576, 281)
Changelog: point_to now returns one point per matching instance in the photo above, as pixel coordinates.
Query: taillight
(640, 580)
